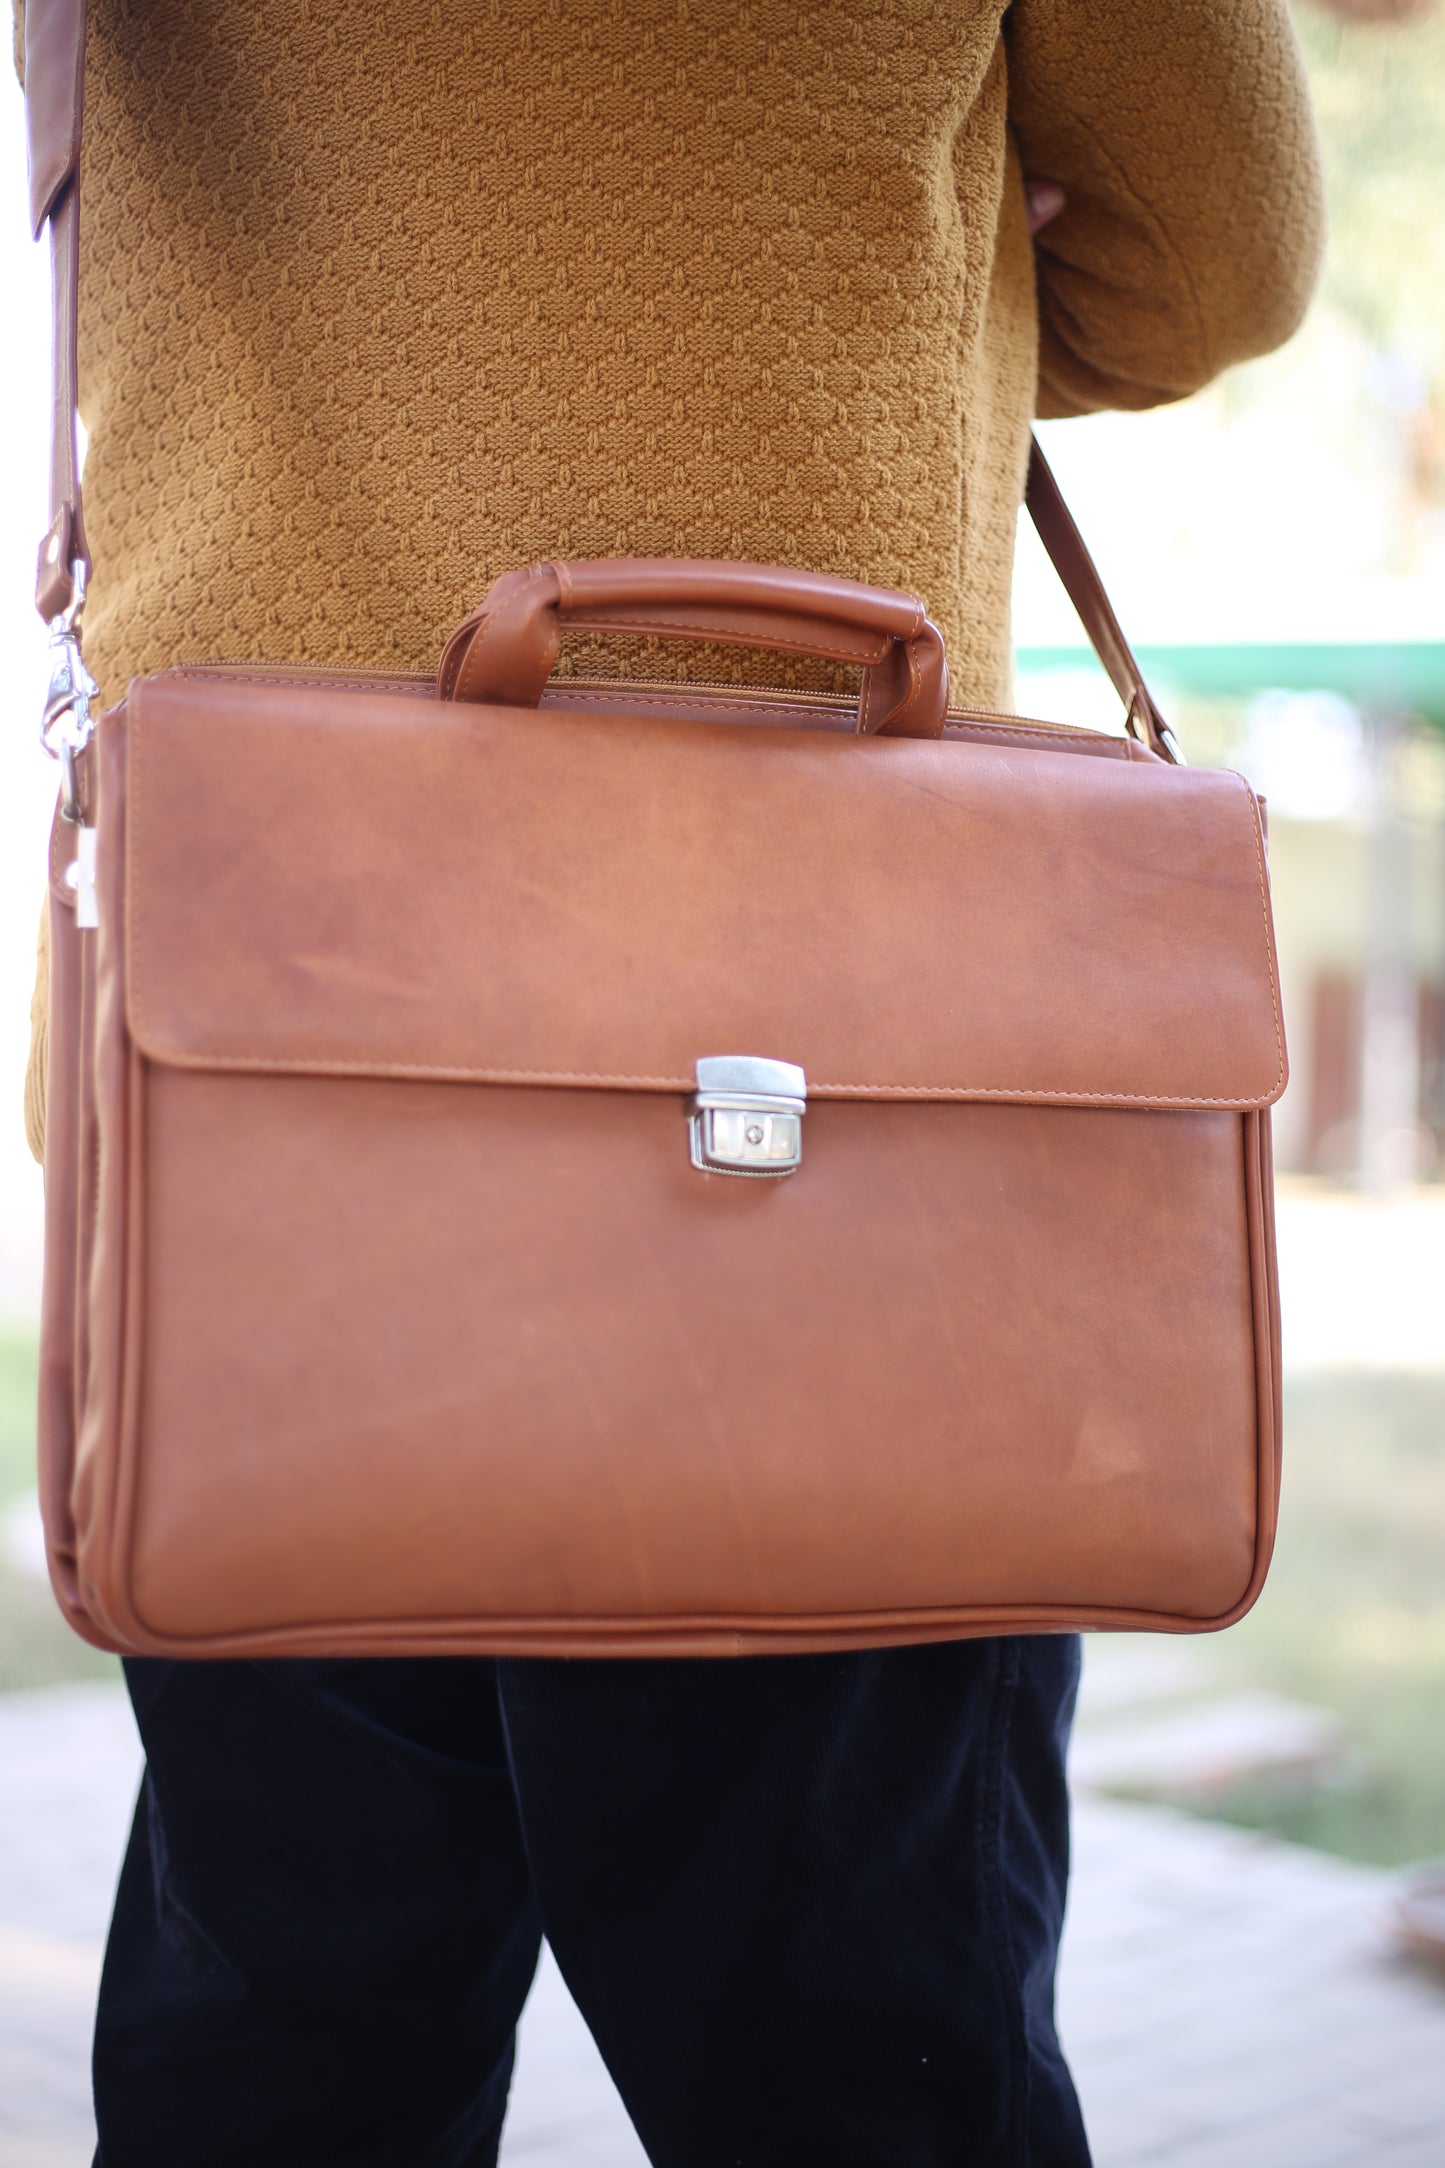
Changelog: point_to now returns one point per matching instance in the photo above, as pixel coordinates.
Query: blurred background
(1276, 549)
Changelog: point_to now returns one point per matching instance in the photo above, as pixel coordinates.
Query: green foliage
(17, 1414)
(37, 1648)
(1352, 1620)
(1353, 1616)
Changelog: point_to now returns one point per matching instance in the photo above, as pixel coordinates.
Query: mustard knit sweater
(378, 302)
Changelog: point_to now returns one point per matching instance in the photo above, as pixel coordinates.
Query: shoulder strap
(54, 88)
(1079, 577)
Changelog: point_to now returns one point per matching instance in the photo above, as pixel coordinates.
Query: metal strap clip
(67, 725)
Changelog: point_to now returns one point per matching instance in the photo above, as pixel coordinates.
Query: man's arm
(1193, 221)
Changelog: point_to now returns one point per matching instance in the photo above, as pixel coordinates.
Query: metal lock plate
(746, 1116)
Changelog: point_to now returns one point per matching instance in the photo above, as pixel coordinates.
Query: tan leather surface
(359, 1363)
(54, 88)
(383, 1308)
(821, 711)
(786, 710)
(506, 650)
(519, 1359)
(349, 882)
(54, 57)
(110, 1229)
(64, 539)
(62, 1298)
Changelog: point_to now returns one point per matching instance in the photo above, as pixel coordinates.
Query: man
(376, 304)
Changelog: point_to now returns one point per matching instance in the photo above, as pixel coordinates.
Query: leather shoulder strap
(54, 68)
(1080, 579)
(54, 98)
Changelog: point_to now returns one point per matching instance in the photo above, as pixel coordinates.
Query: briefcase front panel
(640, 1175)
(411, 1320)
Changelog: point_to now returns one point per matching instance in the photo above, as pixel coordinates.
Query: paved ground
(1227, 2002)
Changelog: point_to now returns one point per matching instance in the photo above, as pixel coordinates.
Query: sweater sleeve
(1194, 224)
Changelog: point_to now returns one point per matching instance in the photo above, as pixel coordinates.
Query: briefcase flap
(342, 882)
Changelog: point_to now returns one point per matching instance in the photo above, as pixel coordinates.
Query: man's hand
(1045, 200)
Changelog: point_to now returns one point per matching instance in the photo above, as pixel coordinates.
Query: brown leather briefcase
(614, 1168)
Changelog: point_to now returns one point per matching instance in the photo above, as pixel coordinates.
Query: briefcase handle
(504, 652)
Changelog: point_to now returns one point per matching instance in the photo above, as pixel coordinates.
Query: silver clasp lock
(746, 1116)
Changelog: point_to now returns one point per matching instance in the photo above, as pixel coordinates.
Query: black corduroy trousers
(809, 1906)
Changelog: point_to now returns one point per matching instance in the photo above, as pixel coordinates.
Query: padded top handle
(504, 652)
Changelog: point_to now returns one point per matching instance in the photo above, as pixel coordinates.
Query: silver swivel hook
(67, 724)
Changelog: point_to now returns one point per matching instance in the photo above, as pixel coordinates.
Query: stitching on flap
(158, 1051)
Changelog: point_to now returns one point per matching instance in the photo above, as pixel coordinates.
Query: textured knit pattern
(380, 302)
